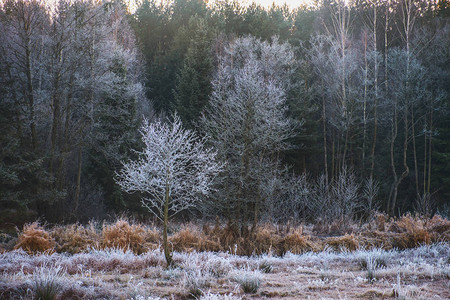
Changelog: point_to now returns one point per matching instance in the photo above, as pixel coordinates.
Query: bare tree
(246, 117)
(172, 171)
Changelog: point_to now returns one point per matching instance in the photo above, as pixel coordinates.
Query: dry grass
(297, 243)
(346, 242)
(185, 240)
(124, 236)
(34, 239)
(403, 233)
(75, 238)
(420, 273)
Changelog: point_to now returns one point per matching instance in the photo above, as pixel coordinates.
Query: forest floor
(405, 258)
(420, 273)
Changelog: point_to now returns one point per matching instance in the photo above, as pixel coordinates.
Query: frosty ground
(420, 273)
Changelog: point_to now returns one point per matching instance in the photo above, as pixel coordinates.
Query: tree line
(336, 105)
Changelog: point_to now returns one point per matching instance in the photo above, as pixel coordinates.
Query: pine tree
(194, 87)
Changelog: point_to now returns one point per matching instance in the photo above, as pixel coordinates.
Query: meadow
(404, 258)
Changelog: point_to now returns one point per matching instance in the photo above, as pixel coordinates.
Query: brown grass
(124, 236)
(75, 238)
(380, 232)
(34, 239)
(380, 221)
(411, 232)
(185, 240)
(347, 241)
(264, 240)
(297, 243)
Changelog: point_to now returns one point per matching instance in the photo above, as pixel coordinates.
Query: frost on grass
(200, 269)
(249, 281)
(212, 296)
(115, 273)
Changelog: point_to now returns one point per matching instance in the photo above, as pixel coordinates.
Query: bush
(34, 238)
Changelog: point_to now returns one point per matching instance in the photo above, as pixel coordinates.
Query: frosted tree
(247, 118)
(173, 171)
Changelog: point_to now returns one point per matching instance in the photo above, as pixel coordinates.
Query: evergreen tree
(193, 86)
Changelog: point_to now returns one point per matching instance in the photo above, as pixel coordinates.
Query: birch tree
(173, 170)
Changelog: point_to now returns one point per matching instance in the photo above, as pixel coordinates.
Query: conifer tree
(193, 86)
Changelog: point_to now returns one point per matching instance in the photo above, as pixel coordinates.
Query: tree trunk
(393, 192)
(325, 159)
(167, 253)
(416, 169)
(375, 121)
(429, 152)
(78, 188)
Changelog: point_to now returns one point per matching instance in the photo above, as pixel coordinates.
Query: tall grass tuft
(249, 281)
(34, 238)
(47, 282)
(124, 236)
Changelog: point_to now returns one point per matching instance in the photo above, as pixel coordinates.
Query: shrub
(124, 236)
(34, 238)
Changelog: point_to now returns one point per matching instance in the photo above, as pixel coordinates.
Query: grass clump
(249, 281)
(34, 239)
(265, 266)
(296, 243)
(371, 265)
(346, 242)
(195, 282)
(124, 236)
(185, 240)
(46, 283)
(75, 238)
